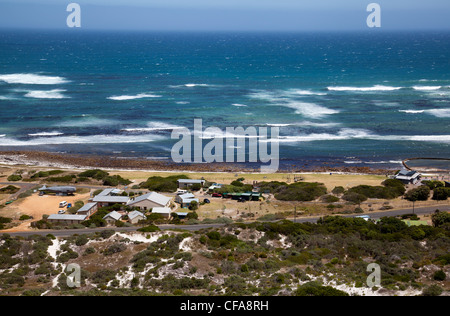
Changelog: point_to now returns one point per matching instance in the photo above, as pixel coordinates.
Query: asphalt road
(68, 233)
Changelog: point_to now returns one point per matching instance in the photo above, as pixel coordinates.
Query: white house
(136, 216)
(112, 218)
(186, 199)
(164, 211)
(66, 219)
(150, 201)
(187, 183)
(109, 197)
(408, 176)
(88, 209)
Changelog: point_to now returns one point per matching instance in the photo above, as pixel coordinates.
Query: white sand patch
(186, 244)
(142, 237)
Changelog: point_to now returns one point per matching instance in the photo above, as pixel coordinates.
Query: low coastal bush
(161, 184)
(302, 191)
(14, 178)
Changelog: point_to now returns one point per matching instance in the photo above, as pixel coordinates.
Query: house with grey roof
(88, 209)
(187, 183)
(66, 219)
(164, 211)
(408, 176)
(149, 201)
(108, 197)
(112, 218)
(136, 216)
(186, 199)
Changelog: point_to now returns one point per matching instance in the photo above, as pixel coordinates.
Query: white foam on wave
(51, 94)
(77, 140)
(239, 105)
(376, 88)
(440, 113)
(193, 85)
(32, 79)
(46, 134)
(133, 97)
(300, 92)
(311, 110)
(412, 111)
(153, 127)
(183, 102)
(307, 109)
(358, 134)
(427, 88)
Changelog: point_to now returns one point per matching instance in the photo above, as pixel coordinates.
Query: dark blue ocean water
(339, 98)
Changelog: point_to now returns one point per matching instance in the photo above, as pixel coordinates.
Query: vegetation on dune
(162, 184)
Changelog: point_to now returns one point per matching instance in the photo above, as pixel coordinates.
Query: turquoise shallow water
(344, 98)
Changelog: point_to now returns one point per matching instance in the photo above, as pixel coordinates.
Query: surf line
(190, 147)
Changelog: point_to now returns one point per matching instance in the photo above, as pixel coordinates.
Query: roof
(87, 207)
(182, 213)
(186, 196)
(135, 214)
(189, 181)
(113, 215)
(188, 201)
(111, 199)
(161, 210)
(408, 174)
(105, 192)
(68, 217)
(153, 197)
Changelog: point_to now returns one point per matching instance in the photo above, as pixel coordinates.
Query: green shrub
(315, 289)
(439, 276)
(14, 178)
(302, 191)
(161, 184)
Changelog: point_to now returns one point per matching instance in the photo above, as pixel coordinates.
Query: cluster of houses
(157, 203)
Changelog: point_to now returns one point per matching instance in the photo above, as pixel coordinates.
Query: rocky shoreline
(71, 161)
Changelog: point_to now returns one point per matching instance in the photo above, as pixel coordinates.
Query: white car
(62, 212)
(63, 204)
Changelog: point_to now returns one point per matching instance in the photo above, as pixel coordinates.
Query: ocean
(357, 99)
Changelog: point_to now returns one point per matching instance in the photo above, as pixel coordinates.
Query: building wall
(147, 205)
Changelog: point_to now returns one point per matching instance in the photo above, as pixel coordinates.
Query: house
(108, 198)
(182, 215)
(151, 200)
(66, 219)
(214, 187)
(88, 209)
(61, 191)
(188, 183)
(408, 176)
(164, 211)
(112, 218)
(136, 216)
(186, 199)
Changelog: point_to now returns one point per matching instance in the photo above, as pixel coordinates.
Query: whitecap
(427, 88)
(46, 134)
(153, 127)
(92, 139)
(32, 79)
(51, 94)
(239, 105)
(364, 89)
(133, 97)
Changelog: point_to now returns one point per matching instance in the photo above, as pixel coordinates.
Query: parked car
(206, 201)
(62, 212)
(69, 205)
(241, 200)
(217, 195)
(62, 204)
